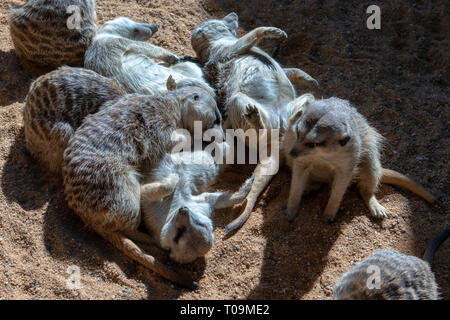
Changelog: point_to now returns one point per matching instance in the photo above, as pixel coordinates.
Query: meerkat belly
(250, 76)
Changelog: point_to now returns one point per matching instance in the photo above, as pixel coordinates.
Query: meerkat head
(188, 236)
(321, 128)
(129, 29)
(213, 30)
(197, 104)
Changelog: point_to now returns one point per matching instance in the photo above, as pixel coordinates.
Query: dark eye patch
(314, 144)
(196, 97)
(344, 141)
(180, 232)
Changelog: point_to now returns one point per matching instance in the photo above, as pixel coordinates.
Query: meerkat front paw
(274, 33)
(377, 210)
(253, 117)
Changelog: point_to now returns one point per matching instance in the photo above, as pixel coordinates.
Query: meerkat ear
(302, 103)
(295, 116)
(232, 20)
(171, 84)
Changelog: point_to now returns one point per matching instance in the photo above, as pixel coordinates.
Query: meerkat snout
(130, 29)
(188, 236)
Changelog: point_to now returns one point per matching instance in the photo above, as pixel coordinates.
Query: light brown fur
(41, 36)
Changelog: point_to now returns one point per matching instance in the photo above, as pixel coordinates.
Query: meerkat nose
(293, 153)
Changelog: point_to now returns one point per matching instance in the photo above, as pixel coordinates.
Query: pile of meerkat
(108, 130)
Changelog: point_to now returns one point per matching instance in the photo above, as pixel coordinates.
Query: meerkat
(52, 33)
(55, 107)
(105, 158)
(390, 275)
(120, 50)
(177, 210)
(248, 81)
(329, 141)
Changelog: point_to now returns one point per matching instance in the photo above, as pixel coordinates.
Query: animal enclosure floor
(398, 77)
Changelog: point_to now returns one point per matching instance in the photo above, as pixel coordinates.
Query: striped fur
(402, 277)
(104, 160)
(42, 38)
(56, 105)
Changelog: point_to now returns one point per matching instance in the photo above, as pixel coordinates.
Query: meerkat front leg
(253, 117)
(156, 190)
(241, 107)
(220, 200)
(299, 179)
(297, 75)
(251, 39)
(340, 184)
(154, 52)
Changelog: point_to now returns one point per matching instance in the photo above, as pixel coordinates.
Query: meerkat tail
(259, 184)
(396, 178)
(435, 244)
(129, 248)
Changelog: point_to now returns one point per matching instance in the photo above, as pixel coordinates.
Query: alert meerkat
(173, 210)
(120, 50)
(390, 275)
(105, 158)
(55, 107)
(248, 81)
(52, 33)
(329, 141)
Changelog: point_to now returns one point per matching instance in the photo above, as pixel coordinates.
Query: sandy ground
(397, 76)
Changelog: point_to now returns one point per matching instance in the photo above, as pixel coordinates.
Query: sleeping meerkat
(52, 33)
(390, 275)
(119, 50)
(328, 141)
(55, 107)
(105, 158)
(247, 80)
(176, 213)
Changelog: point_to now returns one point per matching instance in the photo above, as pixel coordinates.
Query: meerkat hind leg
(297, 75)
(367, 186)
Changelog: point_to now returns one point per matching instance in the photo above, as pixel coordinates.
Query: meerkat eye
(310, 145)
(180, 232)
(344, 141)
(195, 97)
